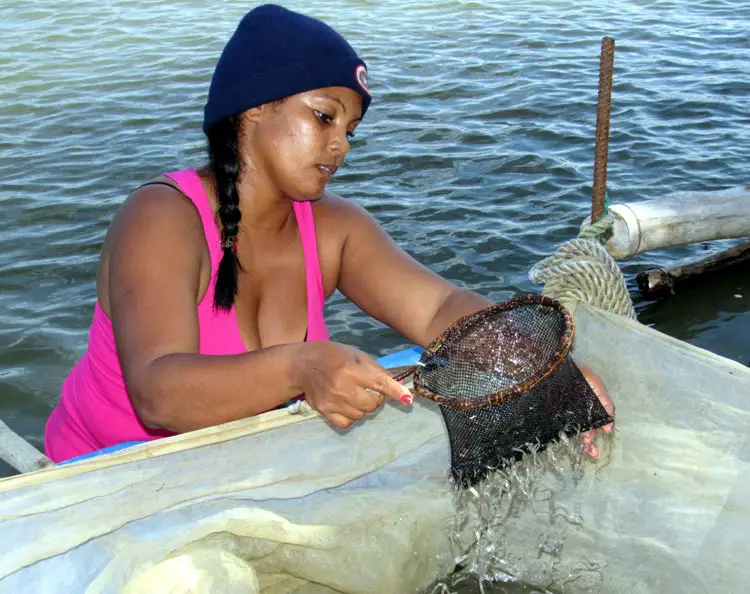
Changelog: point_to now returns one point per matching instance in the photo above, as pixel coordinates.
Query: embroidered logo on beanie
(361, 76)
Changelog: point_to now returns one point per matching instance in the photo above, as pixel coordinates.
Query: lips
(328, 171)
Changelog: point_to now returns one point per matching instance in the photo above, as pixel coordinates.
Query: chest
(271, 303)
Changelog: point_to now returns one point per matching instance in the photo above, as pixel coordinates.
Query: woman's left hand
(588, 442)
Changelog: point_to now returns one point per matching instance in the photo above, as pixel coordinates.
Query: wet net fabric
(505, 383)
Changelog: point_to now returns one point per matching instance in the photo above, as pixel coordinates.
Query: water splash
(529, 498)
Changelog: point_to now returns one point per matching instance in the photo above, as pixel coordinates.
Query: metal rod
(604, 104)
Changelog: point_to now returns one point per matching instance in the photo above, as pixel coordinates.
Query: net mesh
(506, 384)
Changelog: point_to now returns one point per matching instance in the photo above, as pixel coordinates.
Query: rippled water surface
(476, 154)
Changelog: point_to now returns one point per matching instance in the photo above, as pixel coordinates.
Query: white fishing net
(296, 506)
(265, 505)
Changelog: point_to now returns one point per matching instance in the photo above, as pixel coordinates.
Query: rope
(598, 229)
(582, 271)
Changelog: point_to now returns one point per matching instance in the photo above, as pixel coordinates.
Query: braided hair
(224, 163)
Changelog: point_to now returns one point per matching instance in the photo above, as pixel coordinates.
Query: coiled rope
(583, 271)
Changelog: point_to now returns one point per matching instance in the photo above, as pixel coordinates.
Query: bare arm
(392, 287)
(387, 283)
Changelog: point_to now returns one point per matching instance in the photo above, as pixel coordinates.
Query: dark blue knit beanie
(276, 53)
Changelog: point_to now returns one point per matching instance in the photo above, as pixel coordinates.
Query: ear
(253, 115)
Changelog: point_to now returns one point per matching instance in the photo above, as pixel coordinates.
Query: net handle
(401, 373)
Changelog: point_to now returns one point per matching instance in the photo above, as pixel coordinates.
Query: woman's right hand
(344, 384)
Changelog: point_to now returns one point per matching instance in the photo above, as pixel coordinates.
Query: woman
(211, 283)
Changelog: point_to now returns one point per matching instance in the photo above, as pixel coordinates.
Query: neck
(264, 209)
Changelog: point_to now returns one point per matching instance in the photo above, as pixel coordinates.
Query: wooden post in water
(662, 282)
(604, 104)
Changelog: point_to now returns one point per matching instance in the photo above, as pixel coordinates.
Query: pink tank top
(95, 410)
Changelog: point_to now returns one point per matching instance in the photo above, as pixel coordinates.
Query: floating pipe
(678, 219)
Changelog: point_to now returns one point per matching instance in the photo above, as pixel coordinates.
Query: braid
(224, 163)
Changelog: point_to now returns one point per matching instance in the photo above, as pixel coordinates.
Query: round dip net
(506, 384)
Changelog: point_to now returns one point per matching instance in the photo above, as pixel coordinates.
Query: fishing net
(506, 384)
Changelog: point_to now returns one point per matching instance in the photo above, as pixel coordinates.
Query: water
(476, 154)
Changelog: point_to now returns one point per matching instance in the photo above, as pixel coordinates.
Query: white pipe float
(679, 219)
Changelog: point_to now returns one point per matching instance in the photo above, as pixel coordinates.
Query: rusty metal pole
(604, 104)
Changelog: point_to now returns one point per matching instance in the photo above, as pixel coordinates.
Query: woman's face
(296, 145)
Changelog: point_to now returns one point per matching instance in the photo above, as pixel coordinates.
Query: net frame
(460, 326)
(536, 393)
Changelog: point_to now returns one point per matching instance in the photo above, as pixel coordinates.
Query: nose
(340, 143)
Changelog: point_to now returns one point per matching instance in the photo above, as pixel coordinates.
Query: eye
(324, 117)
(350, 134)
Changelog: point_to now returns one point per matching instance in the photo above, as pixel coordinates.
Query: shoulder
(340, 216)
(162, 201)
(157, 231)
(337, 222)
(159, 216)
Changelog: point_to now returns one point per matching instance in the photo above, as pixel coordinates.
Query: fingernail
(407, 399)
